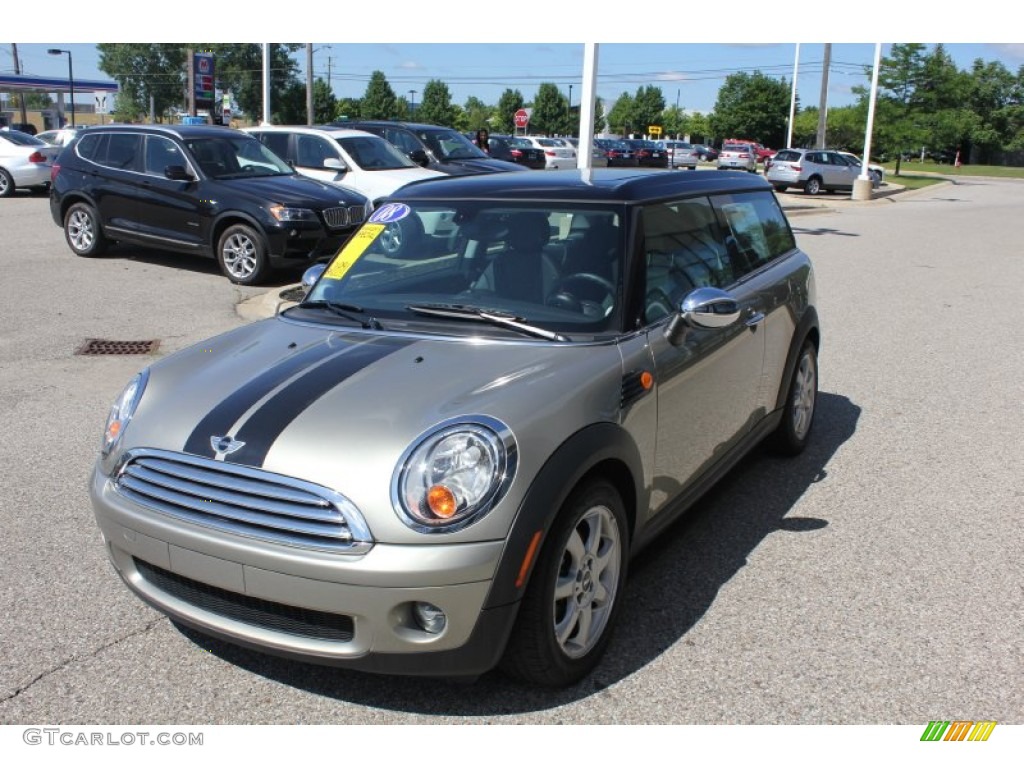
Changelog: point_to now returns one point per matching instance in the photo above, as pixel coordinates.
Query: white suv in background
(347, 158)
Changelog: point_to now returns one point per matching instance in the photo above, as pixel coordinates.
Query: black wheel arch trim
(229, 219)
(605, 449)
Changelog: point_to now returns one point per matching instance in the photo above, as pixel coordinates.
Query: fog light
(430, 618)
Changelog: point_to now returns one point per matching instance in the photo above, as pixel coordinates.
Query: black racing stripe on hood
(224, 416)
(263, 428)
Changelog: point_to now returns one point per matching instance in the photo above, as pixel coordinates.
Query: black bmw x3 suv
(206, 190)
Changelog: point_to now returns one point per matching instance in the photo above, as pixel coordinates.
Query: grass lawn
(951, 172)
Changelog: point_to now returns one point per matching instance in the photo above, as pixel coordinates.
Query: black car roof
(629, 185)
(410, 126)
(181, 131)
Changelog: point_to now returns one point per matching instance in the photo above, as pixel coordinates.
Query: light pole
(570, 101)
(412, 104)
(71, 78)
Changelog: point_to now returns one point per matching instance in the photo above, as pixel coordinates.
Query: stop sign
(522, 118)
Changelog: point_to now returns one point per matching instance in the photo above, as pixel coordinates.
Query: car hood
(377, 184)
(339, 407)
(298, 191)
(475, 165)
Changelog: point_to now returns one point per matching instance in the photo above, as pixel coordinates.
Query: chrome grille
(242, 500)
(343, 217)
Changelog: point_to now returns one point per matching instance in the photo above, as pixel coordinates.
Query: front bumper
(341, 610)
(291, 242)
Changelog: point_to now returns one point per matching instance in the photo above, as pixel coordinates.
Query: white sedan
(344, 157)
(25, 161)
(558, 153)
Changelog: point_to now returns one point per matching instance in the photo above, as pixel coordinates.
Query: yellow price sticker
(353, 249)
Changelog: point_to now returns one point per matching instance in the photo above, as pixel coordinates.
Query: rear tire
(6, 183)
(813, 186)
(567, 614)
(82, 231)
(781, 187)
(793, 432)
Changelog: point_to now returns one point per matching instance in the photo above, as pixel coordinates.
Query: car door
(171, 211)
(114, 179)
(311, 153)
(708, 379)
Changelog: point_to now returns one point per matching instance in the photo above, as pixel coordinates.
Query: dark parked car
(434, 146)
(648, 153)
(197, 189)
(516, 150)
(444, 458)
(706, 153)
(618, 152)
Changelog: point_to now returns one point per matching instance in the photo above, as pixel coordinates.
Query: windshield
(234, 156)
(372, 153)
(553, 266)
(451, 145)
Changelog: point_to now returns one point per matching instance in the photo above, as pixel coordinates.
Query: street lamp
(71, 78)
(412, 104)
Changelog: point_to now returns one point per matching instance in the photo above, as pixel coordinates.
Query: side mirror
(335, 164)
(177, 173)
(419, 157)
(310, 276)
(707, 308)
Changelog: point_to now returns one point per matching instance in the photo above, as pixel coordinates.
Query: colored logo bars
(958, 730)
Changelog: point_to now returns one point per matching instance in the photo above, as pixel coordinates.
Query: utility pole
(17, 71)
(412, 104)
(823, 101)
(309, 83)
(190, 74)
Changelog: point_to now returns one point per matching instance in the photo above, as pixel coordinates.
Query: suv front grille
(337, 218)
(243, 500)
(256, 611)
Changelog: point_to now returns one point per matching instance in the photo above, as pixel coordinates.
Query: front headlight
(122, 410)
(455, 474)
(281, 213)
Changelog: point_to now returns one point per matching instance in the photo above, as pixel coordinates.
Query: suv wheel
(801, 398)
(242, 255)
(813, 186)
(566, 618)
(82, 230)
(6, 183)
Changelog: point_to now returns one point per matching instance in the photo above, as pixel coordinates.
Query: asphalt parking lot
(874, 580)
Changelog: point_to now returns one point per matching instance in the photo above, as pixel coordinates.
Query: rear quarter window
(757, 231)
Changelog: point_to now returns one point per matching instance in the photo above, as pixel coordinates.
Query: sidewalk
(793, 203)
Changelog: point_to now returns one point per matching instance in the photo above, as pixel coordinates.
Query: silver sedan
(25, 161)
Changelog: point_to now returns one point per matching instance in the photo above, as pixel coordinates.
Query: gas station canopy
(32, 84)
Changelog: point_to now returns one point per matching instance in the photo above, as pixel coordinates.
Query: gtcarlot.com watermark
(75, 737)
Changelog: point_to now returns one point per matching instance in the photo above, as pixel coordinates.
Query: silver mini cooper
(497, 392)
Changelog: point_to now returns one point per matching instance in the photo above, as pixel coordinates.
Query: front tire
(242, 255)
(566, 618)
(82, 231)
(793, 432)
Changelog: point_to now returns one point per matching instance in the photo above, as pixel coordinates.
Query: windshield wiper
(501, 319)
(345, 310)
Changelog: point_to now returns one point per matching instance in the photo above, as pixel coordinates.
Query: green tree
(348, 109)
(550, 109)
(648, 105)
(325, 106)
(510, 102)
(752, 106)
(379, 101)
(620, 118)
(436, 107)
(699, 126)
(239, 68)
(899, 77)
(674, 122)
(145, 70)
(600, 118)
(477, 115)
(38, 101)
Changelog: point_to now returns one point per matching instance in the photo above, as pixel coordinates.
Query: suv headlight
(282, 213)
(454, 474)
(122, 410)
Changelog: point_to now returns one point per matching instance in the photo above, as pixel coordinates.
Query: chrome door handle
(755, 319)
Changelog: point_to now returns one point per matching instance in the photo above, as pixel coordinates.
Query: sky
(508, 53)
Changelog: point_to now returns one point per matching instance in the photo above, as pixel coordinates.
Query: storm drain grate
(109, 347)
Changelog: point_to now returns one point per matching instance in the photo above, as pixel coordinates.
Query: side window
(276, 143)
(311, 151)
(683, 250)
(756, 230)
(402, 140)
(123, 151)
(160, 153)
(88, 146)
